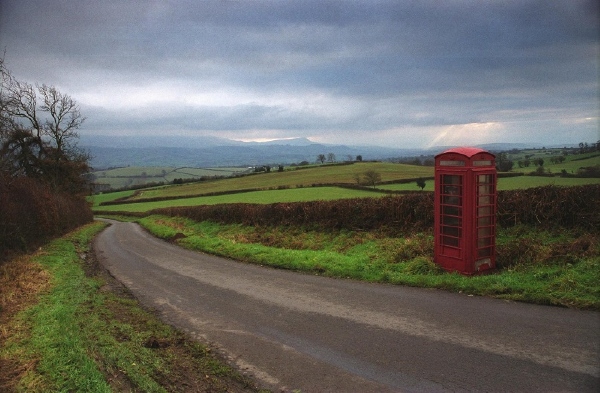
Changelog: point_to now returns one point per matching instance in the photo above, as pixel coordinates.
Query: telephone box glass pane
(452, 199)
(450, 241)
(484, 252)
(451, 231)
(484, 211)
(483, 221)
(453, 219)
(484, 232)
(484, 241)
(452, 179)
(485, 179)
(451, 211)
(485, 189)
(484, 200)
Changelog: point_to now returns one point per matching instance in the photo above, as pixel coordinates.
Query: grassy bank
(534, 266)
(63, 330)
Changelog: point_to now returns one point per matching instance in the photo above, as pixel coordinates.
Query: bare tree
(38, 134)
(331, 157)
(19, 101)
(321, 158)
(64, 117)
(372, 177)
(57, 117)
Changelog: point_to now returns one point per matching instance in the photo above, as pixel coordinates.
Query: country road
(313, 334)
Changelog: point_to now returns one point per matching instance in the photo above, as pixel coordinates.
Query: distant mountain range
(205, 152)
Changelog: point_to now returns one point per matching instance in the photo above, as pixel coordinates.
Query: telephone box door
(485, 221)
(451, 215)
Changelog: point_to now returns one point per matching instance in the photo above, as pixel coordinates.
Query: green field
(328, 174)
(261, 197)
(571, 164)
(412, 186)
(520, 182)
(111, 196)
(135, 176)
(295, 186)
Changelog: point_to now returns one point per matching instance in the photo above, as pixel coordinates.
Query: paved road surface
(295, 331)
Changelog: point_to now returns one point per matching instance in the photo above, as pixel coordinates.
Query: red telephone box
(465, 210)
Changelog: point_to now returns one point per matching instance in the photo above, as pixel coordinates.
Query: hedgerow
(545, 207)
(31, 212)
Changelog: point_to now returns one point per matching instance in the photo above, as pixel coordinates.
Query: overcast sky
(394, 73)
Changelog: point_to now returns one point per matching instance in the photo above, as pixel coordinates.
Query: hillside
(327, 174)
(248, 154)
(178, 151)
(289, 185)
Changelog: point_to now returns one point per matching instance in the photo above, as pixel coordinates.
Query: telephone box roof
(465, 151)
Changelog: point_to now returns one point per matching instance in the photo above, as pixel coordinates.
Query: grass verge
(534, 266)
(63, 330)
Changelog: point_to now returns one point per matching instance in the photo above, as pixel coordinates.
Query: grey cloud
(406, 63)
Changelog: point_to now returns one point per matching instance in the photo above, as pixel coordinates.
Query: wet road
(314, 334)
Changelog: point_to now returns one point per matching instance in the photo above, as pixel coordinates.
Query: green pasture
(571, 164)
(505, 183)
(522, 182)
(133, 176)
(111, 196)
(259, 197)
(298, 180)
(152, 171)
(135, 171)
(327, 174)
(412, 186)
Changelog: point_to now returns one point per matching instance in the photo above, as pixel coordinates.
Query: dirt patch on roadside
(177, 236)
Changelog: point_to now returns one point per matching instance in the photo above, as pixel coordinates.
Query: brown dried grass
(21, 283)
